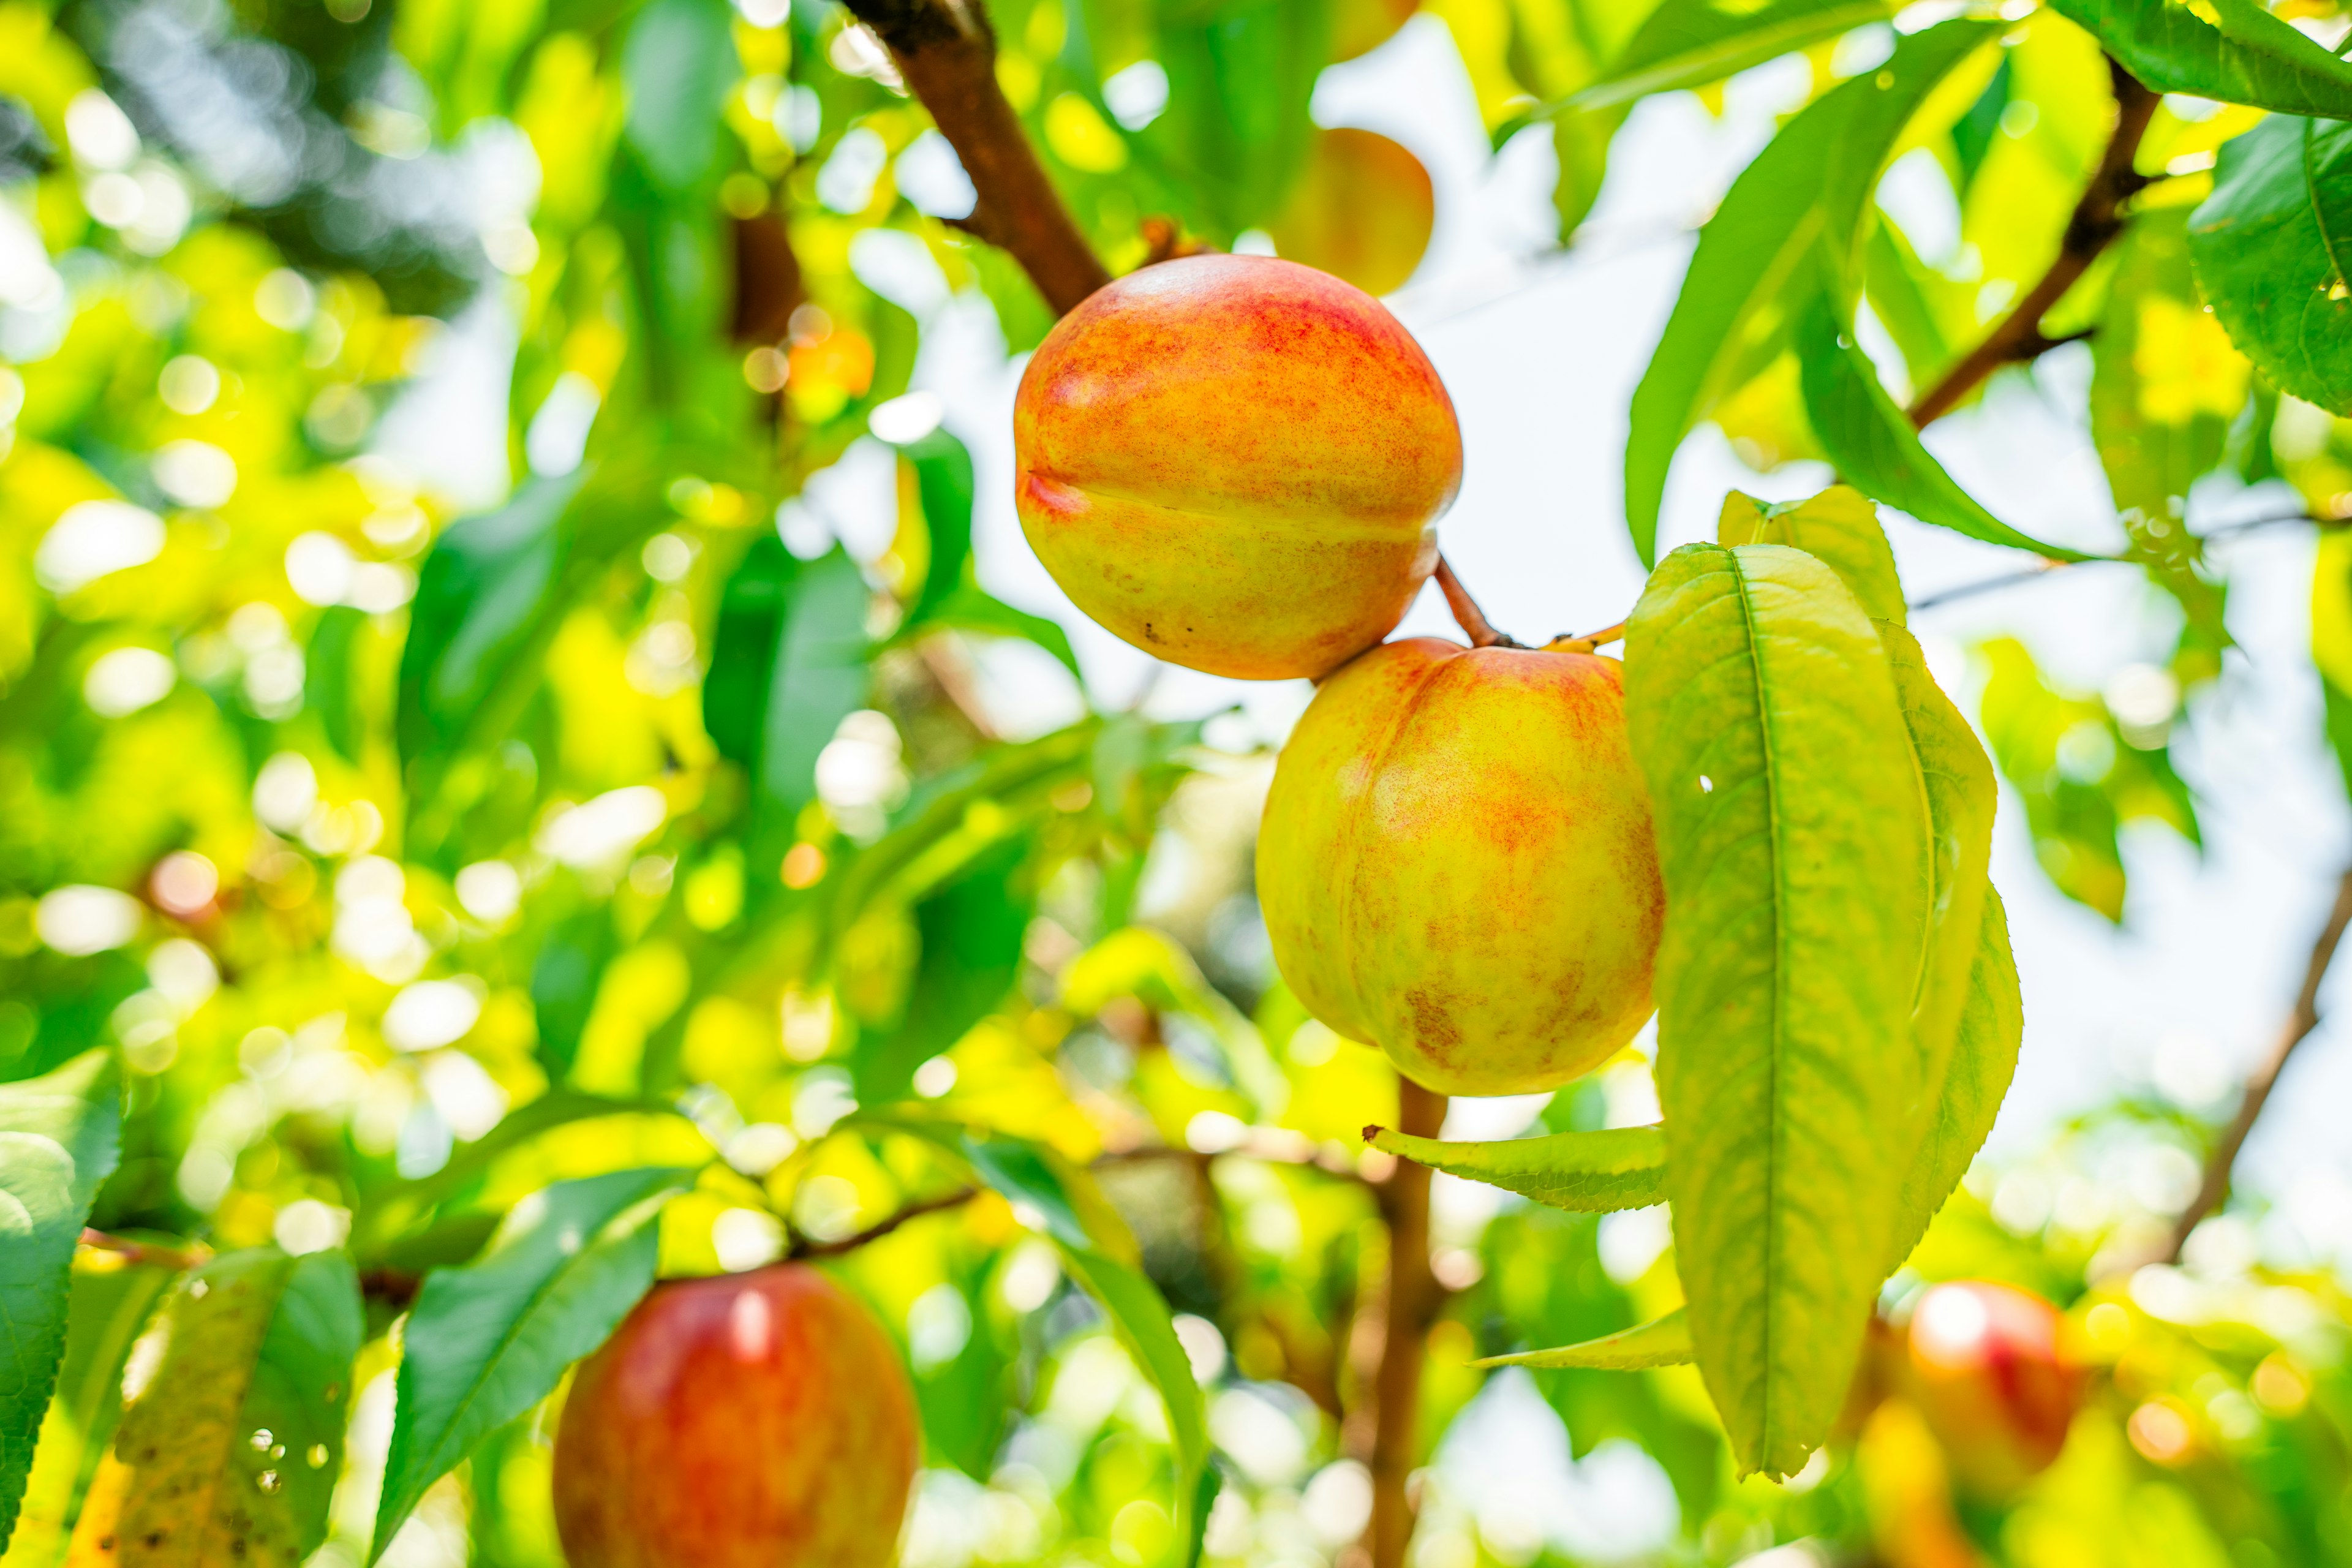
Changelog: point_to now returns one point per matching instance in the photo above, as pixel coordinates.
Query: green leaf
(232, 1448)
(57, 1139)
(2165, 384)
(2272, 248)
(678, 64)
(1236, 131)
(2231, 49)
(486, 1342)
(110, 1310)
(1661, 1341)
(1098, 1250)
(1976, 1078)
(1809, 188)
(1793, 835)
(1870, 439)
(1590, 1173)
(1689, 43)
(1839, 528)
(973, 929)
(943, 480)
(482, 601)
(328, 672)
(969, 609)
(788, 664)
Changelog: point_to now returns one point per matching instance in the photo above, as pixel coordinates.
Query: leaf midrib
(1772, 1225)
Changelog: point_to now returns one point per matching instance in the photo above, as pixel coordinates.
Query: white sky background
(1541, 354)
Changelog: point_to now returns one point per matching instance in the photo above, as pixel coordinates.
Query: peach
(1235, 463)
(739, 1422)
(1988, 1369)
(1456, 864)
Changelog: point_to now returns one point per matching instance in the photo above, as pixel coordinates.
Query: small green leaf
(2231, 49)
(677, 63)
(1689, 43)
(971, 930)
(110, 1310)
(486, 1342)
(255, 1379)
(943, 480)
(1976, 1078)
(1661, 1341)
(2272, 248)
(1792, 834)
(1806, 196)
(1590, 1173)
(788, 664)
(481, 598)
(969, 609)
(57, 1139)
(1870, 439)
(1839, 528)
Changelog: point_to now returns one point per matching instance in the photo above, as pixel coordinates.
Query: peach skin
(741, 1421)
(1235, 463)
(1456, 864)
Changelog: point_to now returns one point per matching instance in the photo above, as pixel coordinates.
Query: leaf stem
(2098, 219)
(945, 50)
(1466, 613)
(2301, 1020)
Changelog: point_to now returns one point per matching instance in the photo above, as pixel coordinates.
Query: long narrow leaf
(1589, 1173)
(1661, 1341)
(2231, 49)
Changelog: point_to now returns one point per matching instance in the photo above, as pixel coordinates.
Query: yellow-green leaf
(1590, 1172)
(1661, 1341)
(1793, 837)
(1976, 1077)
(1839, 528)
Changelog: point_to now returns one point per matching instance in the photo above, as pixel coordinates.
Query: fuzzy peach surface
(739, 1422)
(1456, 864)
(1236, 463)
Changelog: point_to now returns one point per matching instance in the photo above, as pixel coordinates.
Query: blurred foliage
(418, 853)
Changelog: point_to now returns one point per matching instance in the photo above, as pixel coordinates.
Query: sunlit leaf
(972, 931)
(1809, 189)
(1689, 42)
(58, 1137)
(1590, 1173)
(486, 1342)
(2273, 247)
(1871, 440)
(1976, 1078)
(2231, 49)
(1661, 1342)
(232, 1451)
(1793, 838)
(1839, 528)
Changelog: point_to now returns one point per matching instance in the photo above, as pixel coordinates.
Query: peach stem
(1466, 613)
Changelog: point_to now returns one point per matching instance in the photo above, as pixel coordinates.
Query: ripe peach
(1236, 463)
(1456, 865)
(1988, 1371)
(738, 1422)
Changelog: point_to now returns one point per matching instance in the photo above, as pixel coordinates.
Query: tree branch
(947, 53)
(195, 1255)
(804, 1248)
(2300, 1022)
(2098, 218)
(1414, 1297)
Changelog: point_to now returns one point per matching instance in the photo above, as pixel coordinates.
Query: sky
(1540, 351)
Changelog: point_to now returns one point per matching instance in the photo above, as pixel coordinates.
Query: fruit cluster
(1237, 464)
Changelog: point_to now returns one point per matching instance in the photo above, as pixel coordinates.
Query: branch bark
(1414, 1297)
(2098, 218)
(947, 52)
(804, 1248)
(2300, 1022)
(195, 1255)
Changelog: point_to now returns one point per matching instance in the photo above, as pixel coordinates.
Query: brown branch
(195, 1255)
(1414, 1297)
(947, 54)
(2098, 218)
(1466, 613)
(2300, 1023)
(802, 1247)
